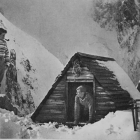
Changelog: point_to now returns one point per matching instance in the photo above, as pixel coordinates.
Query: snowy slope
(44, 67)
(67, 26)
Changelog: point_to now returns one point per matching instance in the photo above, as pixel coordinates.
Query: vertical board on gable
(54, 108)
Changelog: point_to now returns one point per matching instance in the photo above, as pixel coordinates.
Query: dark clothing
(4, 58)
(87, 102)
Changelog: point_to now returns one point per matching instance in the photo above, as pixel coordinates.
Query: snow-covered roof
(122, 77)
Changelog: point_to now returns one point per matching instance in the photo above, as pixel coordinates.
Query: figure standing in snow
(85, 99)
(4, 53)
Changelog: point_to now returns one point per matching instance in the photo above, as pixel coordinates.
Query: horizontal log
(112, 95)
(55, 102)
(59, 89)
(101, 71)
(53, 115)
(61, 85)
(52, 111)
(109, 103)
(83, 71)
(103, 74)
(99, 116)
(110, 85)
(103, 98)
(105, 108)
(51, 106)
(80, 77)
(112, 88)
(109, 98)
(105, 78)
(58, 92)
(99, 88)
(102, 112)
(108, 81)
(56, 118)
(79, 80)
(57, 98)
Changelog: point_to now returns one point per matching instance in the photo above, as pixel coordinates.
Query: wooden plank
(66, 116)
(51, 106)
(52, 111)
(59, 88)
(94, 98)
(103, 74)
(53, 115)
(109, 81)
(110, 85)
(57, 98)
(55, 102)
(114, 88)
(80, 77)
(41, 119)
(101, 71)
(103, 99)
(105, 108)
(46, 118)
(58, 92)
(61, 85)
(100, 116)
(109, 103)
(98, 77)
(102, 112)
(84, 70)
(79, 80)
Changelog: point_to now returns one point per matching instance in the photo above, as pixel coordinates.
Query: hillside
(65, 27)
(36, 67)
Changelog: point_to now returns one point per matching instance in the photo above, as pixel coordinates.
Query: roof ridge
(95, 56)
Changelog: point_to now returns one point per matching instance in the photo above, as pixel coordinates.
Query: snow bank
(122, 77)
(115, 126)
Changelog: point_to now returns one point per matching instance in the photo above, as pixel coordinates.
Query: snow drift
(36, 67)
(115, 126)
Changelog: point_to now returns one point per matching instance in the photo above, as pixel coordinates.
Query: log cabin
(93, 72)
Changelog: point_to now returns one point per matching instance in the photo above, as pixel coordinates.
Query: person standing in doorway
(85, 99)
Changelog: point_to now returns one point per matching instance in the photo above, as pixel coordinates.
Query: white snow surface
(45, 67)
(124, 80)
(115, 126)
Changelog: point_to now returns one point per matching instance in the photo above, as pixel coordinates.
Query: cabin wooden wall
(110, 101)
(54, 108)
(85, 75)
(104, 103)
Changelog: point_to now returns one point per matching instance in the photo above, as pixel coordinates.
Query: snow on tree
(122, 15)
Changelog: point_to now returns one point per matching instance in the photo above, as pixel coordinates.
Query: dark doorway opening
(72, 86)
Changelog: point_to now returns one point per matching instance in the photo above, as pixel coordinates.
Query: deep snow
(115, 126)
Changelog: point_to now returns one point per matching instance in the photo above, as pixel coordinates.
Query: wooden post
(66, 101)
(136, 113)
(134, 123)
(94, 99)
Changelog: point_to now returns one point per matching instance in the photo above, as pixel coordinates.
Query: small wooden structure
(83, 69)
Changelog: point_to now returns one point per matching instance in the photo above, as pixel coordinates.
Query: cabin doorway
(72, 86)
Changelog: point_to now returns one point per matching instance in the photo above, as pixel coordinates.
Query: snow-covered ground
(115, 126)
